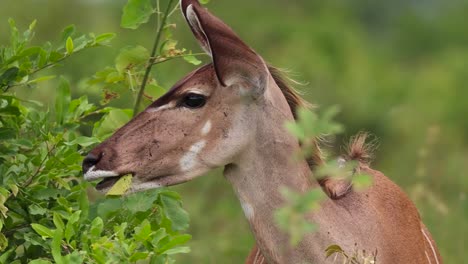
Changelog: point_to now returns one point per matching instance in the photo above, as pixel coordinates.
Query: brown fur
(295, 101)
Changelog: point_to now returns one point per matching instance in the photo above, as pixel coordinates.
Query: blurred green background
(398, 69)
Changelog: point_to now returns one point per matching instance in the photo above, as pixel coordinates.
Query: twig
(161, 60)
(151, 60)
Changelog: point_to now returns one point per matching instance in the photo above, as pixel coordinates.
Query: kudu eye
(193, 100)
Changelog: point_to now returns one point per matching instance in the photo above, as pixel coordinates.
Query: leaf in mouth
(121, 186)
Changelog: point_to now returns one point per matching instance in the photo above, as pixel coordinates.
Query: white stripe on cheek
(248, 210)
(162, 107)
(206, 128)
(189, 160)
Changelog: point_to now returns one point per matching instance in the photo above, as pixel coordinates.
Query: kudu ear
(233, 60)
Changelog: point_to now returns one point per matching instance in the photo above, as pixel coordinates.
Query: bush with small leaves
(48, 214)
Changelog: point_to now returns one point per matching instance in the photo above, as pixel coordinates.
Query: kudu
(232, 113)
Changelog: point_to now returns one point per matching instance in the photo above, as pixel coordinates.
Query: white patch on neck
(206, 128)
(189, 160)
(92, 174)
(248, 210)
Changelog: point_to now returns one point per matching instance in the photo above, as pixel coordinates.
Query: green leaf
(62, 100)
(332, 250)
(131, 56)
(175, 213)
(155, 91)
(56, 247)
(40, 261)
(69, 45)
(192, 60)
(14, 190)
(141, 201)
(37, 210)
(175, 241)
(138, 256)
(7, 133)
(158, 236)
(135, 13)
(96, 227)
(105, 38)
(70, 227)
(42, 79)
(296, 130)
(58, 221)
(121, 186)
(42, 230)
(362, 181)
(3, 242)
(177, 250)
(204, 2)
(111, 122)
(83, 141)
(143, 232)
(4, 257)
(67, 33)
(8, 76)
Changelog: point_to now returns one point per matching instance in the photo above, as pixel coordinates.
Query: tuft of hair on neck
(361, 149)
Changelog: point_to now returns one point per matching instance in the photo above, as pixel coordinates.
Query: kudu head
(204, 121)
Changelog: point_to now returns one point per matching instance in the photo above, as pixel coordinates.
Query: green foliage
(45, 210)
(19, 61)
(308, 128)
(136, 12)
(133, 63)
(291, 218)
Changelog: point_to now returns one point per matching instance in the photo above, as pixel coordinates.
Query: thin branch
(161, 60)
(173, 10)
(151, 60)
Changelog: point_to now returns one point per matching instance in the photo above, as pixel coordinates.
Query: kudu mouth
(91, 173)
(107, 178)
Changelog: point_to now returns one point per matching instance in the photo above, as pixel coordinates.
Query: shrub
(46, 214)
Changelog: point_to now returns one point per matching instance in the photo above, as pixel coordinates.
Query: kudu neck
(267, 165)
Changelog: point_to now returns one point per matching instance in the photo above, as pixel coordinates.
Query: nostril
(89, 161)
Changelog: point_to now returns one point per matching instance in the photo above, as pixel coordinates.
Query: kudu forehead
(203, 77)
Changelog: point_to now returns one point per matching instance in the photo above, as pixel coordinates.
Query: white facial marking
(206, 128)
(138, 187)
(432, 247)
(92, 174)
(248, 210)
(189, 160)
(200, 92)
(162, 107)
